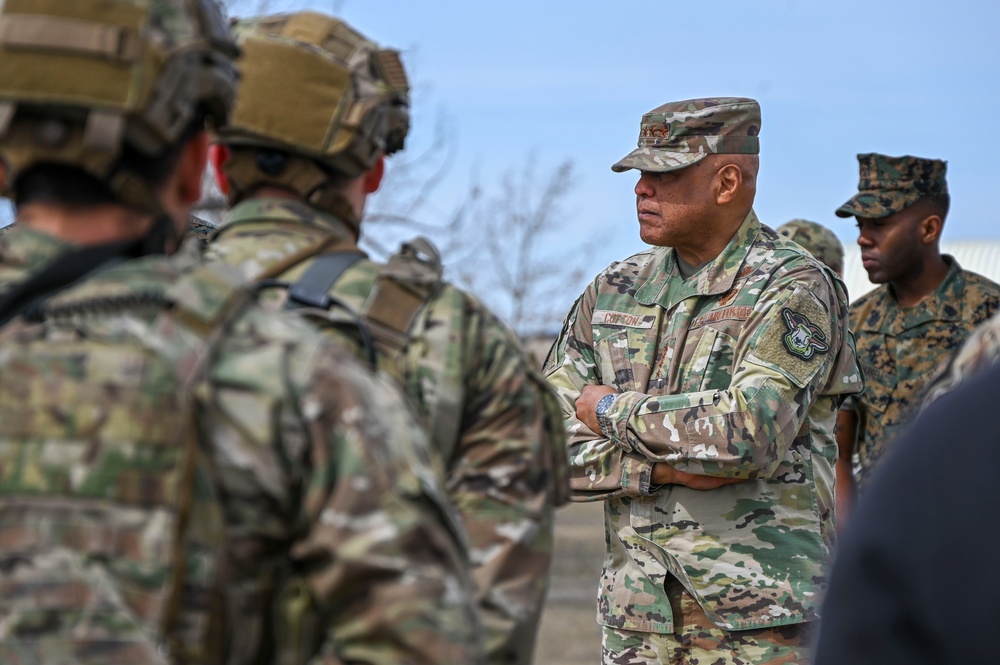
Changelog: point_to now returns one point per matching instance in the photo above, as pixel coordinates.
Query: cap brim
(661, 161)
(871, 205)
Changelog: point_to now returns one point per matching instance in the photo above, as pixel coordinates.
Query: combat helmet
(318, 104)
(82, 79)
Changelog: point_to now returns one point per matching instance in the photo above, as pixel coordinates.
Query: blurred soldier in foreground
(907, 328)
(917, 556)
(817, 240)
(185, 477)
(318, 109)
(700, 380)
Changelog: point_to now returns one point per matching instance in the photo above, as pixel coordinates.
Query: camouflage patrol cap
(81, 79)
(817, 240)
(891, 184)
(314, 86)
(679, 134)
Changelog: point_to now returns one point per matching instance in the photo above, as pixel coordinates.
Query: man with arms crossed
(700, 380)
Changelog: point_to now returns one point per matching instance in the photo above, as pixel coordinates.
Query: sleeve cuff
(619, 415)
(637, 473)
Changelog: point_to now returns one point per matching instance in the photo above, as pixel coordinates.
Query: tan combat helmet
(318, 103)
(81, 79)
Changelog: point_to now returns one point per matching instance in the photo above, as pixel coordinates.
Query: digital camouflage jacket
(489, 413)
(735, 372)
(901, 350)
(277, 507)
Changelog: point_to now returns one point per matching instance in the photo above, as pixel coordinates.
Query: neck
(912, 291)
(85, 226)
(714, 238)
(271, 191)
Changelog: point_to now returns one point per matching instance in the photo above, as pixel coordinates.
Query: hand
(586, 404)
(664, 474)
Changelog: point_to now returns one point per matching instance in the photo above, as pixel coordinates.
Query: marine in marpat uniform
(185, 477)
(320, 106)
(700, 381)
(908, 328)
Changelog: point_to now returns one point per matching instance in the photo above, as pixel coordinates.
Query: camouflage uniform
(306, 482)
(478, 398)
(186, 478)
(817, 240)
(736, 372)
(901, 349)
(490, 415)
(979, 352)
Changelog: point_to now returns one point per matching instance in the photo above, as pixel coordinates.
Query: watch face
(601, 410)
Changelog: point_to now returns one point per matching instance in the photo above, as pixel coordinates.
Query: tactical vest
(111, 530)
(404, 287)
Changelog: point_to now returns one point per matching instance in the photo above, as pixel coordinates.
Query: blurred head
(102, 100)
(817, 240)
(318, 107)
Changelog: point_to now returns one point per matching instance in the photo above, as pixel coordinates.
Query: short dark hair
(65, 184)
(937, 204)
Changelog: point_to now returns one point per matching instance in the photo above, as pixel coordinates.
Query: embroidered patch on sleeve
(796, 339)
(803, 339)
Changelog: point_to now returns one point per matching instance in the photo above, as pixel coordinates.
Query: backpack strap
(59, 273)
(313, 287)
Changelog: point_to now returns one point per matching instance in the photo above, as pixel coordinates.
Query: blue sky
(570, 80)
(562, 80)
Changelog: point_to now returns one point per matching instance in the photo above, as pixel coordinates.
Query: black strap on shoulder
(63, 271)
(313, 287)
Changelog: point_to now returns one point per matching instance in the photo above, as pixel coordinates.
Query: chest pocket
(711, 365)
(616, 360)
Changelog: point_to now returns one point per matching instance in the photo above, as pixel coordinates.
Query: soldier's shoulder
(979, 286)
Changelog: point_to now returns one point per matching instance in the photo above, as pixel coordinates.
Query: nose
(864, 239)
(644, 187)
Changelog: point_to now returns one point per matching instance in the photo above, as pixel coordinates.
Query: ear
(930, 229)
(218, 155)
(728, 181)
(191, 168)
(373, 176)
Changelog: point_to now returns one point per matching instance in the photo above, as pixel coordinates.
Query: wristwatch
(601, 410)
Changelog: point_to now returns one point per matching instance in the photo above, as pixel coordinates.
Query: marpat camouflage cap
(679, 134)
(891, 184)
(817, 240)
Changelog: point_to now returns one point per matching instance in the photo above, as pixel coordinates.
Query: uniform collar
(666, 288)
(285, 210)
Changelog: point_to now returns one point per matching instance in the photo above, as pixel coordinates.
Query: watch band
(601, 410)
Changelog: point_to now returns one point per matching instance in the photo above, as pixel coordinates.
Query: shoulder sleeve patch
(795, 337)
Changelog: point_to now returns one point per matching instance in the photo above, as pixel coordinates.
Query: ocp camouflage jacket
(490, 415)
(735, 372)
(315, 523)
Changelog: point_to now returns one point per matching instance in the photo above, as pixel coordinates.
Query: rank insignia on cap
(804, 339)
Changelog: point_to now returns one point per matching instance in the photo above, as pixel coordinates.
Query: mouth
(868, 262)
